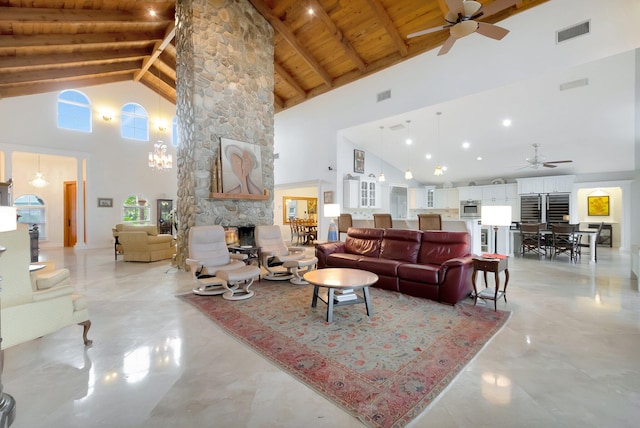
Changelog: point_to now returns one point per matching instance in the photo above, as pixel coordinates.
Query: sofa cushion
(439, 246)
(400, 244)
(148, 229)
(343, 260)
(379, 266)
(365, 242)
(46, 280)
(420, 273)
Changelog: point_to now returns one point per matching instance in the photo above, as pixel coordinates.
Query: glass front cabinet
(165, 224)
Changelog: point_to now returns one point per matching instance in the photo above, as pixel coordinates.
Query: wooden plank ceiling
(50, 45)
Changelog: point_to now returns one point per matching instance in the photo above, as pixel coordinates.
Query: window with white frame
(31, 210)
(74, 111)
(136, 210)
(135, 122)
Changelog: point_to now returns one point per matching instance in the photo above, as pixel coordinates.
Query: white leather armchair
(281, 261)
(37, 303)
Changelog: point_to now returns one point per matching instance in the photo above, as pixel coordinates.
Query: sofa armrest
(324, 250)
(238, 256)
(455, 277)
(295, 249)
(53, 293)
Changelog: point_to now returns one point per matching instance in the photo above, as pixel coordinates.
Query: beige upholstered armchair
(142, 243)
(35, 303)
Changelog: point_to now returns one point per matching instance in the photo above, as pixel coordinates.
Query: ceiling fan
(537, 160)
(461, 21)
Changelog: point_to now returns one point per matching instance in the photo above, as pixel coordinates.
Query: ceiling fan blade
(563, 161)
(427, 31)
(455, 6)
(497, 6)
(447, 45)
(491, 31)
(547, 165)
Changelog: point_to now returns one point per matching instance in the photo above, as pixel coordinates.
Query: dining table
(591, 233)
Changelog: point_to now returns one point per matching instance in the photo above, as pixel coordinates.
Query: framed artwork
(358, 161)
(598, 205)
(241, 167)
(328, 197)
(105, 202)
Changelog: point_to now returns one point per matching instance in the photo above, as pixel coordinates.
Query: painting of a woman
(241, 167)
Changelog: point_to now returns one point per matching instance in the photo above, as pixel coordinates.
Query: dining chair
(344, 223)
(294, 230)
(429, 222)
(531, 239)
(586, 244)
(564, 241)
(382, 221)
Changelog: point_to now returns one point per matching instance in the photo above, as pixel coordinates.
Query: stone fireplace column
(224, 89)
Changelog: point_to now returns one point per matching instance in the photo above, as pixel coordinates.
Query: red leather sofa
(436, 265)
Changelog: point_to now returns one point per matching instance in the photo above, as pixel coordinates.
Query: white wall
(115, 167)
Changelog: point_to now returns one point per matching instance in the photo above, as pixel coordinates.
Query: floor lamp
(7, 403)
(496, 216)
(332, 211)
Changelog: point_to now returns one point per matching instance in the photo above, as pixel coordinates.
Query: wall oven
(470, 209)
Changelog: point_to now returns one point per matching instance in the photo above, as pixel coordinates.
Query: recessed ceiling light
(466, 145)
(310, 11)
(428, 156)
(479, 158)
(152, 12)
(409, 141)
(506, 122)
(444, 168)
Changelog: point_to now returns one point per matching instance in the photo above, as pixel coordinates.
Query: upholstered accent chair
(215, 269)
(280, 261)
(36, 303)
(142, 243)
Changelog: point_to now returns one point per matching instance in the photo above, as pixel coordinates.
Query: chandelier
(158, 158)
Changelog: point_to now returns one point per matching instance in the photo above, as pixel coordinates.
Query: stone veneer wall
(224, 89)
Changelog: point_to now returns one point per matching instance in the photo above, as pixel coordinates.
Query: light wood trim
(39, 88)
(67, 73)
(76, 16)
(83, 58)
(110, 39)
(240, 197)
(286, 34)
(157, 50)
(388, 25)
(338, 35)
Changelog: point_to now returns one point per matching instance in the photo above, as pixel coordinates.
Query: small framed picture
(358, 161)
(328, 197)
(105, 202)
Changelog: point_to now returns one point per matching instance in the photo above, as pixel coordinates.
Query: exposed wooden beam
(278, 102)
(338, 35)
(157, 50)
(287, 77)
(39, 88)
(76, 16)
(160, 87)
(265, 11)
(82, 58)
(388, 25)
(19, 41)
(12, 77)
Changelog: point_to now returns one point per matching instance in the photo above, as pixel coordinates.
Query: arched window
(74, 111)
(136, 210)
(135, 122)
(32, 211)
(175, 132)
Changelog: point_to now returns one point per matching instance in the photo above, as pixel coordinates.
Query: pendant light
(438, 171)
(39, 180)
(381, 176)
(408, 175)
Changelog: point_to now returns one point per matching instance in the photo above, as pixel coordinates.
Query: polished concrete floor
(568, 357)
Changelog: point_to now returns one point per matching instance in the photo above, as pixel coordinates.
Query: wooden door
(70, 194)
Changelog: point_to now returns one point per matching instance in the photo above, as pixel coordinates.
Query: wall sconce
(107, 118)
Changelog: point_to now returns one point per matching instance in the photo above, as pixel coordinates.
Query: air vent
(574, 84)
(573, 31)
(384, 95)
(397, 127)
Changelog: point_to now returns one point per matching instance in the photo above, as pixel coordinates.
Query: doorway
(70, 204)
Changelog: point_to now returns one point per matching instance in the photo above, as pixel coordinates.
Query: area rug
(384, 369)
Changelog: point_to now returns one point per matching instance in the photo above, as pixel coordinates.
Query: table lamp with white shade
(8, 222)
(332, 211)
(496, 216)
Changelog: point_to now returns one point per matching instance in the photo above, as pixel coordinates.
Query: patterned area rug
(384, 369)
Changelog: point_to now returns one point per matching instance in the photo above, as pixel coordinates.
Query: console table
(604, 238)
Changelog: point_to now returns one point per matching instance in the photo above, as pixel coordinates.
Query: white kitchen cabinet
(561, 183)
(446, 198)
(471, 193)
(351, 193)
(530, 185)
(431, 199)
(417, 198)
(495, 193)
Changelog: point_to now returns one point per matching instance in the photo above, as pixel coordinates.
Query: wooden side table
(491, 265)
(252, 253)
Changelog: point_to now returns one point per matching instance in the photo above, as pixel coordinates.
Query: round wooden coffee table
(341, 279)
